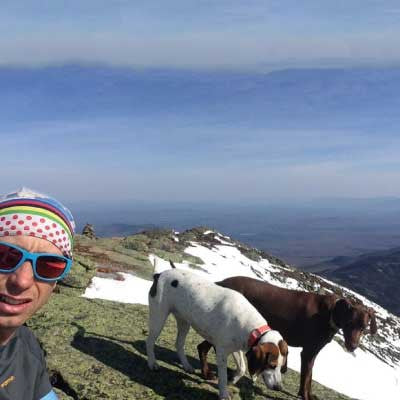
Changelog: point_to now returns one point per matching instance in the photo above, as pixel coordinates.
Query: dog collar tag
(255, 334)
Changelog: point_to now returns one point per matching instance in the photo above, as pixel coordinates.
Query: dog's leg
(307, 363)
(183, 329)
(203, 348)
(157, 320)
(222, 374)
(240, 366)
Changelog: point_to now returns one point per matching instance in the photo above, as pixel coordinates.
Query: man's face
(21, 288)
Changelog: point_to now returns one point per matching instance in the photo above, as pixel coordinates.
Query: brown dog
(306, 320)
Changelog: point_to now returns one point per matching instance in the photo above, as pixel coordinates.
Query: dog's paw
(154, 367)
(188, 368)
(309, 397)
(210, 376)
(227, 395)
(234, 376)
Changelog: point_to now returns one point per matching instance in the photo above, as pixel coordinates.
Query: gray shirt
(23, 373)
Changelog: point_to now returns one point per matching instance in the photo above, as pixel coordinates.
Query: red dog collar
(255, 334)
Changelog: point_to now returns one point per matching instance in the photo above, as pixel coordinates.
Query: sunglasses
(46, 266)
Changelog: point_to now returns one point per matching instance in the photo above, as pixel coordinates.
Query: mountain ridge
(375, 275)
(95, 348)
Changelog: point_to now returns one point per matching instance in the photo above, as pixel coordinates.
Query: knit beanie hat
(29, 213)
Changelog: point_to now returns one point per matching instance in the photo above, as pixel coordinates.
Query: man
(36, 237)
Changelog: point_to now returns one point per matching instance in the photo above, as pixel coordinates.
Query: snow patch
(359, 375)
(132, 289)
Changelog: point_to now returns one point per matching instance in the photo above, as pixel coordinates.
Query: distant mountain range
(375, 275)
(119, 229)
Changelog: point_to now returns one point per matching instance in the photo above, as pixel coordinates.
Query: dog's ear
(344, 305)
(284, 350)
(341, 312)
(255, 360)
(372, 323)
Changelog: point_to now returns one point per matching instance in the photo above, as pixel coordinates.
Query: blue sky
(200, 100)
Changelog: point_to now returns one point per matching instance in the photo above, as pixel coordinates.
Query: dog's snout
(350, 347)
(277, 387)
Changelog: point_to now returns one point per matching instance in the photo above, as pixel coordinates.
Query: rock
(88, 231)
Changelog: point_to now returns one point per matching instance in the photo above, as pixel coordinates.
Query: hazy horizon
(301, 234)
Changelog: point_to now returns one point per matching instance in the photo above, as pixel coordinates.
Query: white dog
(222, 316)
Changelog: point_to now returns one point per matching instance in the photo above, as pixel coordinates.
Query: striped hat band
(38, 218)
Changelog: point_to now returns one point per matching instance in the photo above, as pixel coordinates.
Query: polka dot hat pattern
(37, 226)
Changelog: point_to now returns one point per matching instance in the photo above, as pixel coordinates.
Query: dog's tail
(153, 289)
(156, 277)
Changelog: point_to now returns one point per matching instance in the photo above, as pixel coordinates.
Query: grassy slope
(95, 349)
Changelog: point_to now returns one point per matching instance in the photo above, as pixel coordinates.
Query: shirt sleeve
(43, 386)
(50, 396)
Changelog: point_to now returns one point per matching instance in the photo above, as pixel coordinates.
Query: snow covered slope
(369, 373)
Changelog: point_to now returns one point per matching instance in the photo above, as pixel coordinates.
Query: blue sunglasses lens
(47, 267)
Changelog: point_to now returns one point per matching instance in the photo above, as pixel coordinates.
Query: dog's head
(269, 358)
(354, 321)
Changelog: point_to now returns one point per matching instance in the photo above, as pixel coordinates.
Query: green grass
(99, 349)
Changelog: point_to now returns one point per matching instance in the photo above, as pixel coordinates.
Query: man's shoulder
(29, 340)
(24, 375)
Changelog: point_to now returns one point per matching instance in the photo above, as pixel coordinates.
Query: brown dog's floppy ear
(341, 312)
(251, 360)
(255, 359)
(283, 348)
(343, 305)
(372, 323)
